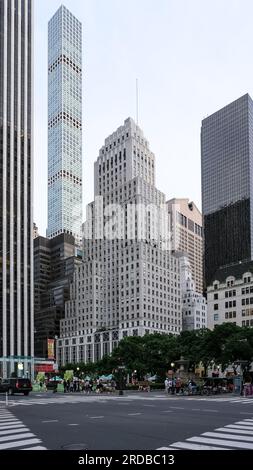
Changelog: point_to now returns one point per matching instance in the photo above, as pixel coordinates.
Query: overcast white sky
(191, 57)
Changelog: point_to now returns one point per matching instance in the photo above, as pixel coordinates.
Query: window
(215, 296)
(216, 317)
(216, 307)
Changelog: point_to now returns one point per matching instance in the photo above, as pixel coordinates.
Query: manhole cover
(75, 447)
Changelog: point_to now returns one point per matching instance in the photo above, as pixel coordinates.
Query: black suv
(16, 385)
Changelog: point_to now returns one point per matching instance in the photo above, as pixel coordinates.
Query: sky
(191, 58)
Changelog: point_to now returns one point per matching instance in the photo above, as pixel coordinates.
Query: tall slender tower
(16, 172)
(227, 185)
(64, 125)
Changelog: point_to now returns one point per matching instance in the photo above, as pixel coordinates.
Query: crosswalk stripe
(72, 399)
(245, 423)
(164, 448)
(12, 426)
(35, 448)
(14, 434)
(208, 440)
(228, 436)
(7, 416)
(9, 423)
(7, 420)
(13, 437)
(10, 445)
(236, 426)
(13, 431)
(187, 445)
(235, 431)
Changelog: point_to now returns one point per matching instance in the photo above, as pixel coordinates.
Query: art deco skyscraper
(16, 171)
(64, 125)
(129, 281)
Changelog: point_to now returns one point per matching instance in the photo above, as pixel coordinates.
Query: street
(143, 421)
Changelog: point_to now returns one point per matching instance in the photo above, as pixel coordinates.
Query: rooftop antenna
(137, 102)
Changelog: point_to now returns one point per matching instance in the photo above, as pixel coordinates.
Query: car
(4, 385)
(16, 385)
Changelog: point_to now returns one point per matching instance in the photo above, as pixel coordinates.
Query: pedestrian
(173, 386)
(87, 387)
(166, 385)
(178, 385)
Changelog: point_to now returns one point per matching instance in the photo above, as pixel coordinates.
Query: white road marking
(187, 445)
(7, 420)
(166, 448)
(228, 436)
(133, 414)
(96, 417)
(235, 431)
(237, 436)
(14, 434)
(73, 424)
(13, 431)
(11, 426)
(177, 407)
(51, 421)
(245, 423)
(207, 440)
(35, 448)
(236, 426)
(212, 411)
(13, 437)
(22, 443)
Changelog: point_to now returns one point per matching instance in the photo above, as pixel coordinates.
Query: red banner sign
(44, 368)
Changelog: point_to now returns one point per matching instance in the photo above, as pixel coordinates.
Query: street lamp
(78, 382)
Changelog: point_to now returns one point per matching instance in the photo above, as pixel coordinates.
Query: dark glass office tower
(16, 168)
(227, 185)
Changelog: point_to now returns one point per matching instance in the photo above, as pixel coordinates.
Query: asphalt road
(132, 422)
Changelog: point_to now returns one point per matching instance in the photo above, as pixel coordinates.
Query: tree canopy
(154, 353)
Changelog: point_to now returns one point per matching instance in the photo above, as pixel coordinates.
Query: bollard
(6, 399)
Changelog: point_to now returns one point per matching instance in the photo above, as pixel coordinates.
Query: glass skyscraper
(227, 185)
(64, 125)
(16, 171)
